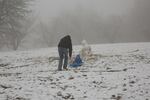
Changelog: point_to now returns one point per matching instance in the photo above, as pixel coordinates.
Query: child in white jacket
(86, 51)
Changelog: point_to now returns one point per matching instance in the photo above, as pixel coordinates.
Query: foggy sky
(98, 21)
(47, 9)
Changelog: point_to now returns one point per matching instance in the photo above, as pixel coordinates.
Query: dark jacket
(65, 42)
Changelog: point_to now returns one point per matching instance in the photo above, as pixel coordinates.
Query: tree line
(13, 14)
(80, 23)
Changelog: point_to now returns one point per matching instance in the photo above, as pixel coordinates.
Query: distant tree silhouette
(12, 20)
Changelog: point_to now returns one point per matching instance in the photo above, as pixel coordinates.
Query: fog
(52, 8)
(97, 21)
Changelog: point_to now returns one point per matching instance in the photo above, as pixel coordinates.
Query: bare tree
(12, 15)
(44, 31)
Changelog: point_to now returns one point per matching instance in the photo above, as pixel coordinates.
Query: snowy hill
(121, 72)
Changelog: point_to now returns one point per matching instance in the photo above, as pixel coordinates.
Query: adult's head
(68, 36)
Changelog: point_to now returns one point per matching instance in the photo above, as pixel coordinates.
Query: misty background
(31, 24)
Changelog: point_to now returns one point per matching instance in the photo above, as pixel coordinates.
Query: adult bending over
(64, 46)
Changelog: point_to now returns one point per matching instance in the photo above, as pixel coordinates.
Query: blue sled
(76, 65)
(77, 62)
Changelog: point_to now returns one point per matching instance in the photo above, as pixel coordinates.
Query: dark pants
(63, 54)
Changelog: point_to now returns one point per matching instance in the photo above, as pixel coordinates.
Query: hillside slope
(121, 72)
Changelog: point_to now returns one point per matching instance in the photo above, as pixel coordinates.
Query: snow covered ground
(121, 72)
